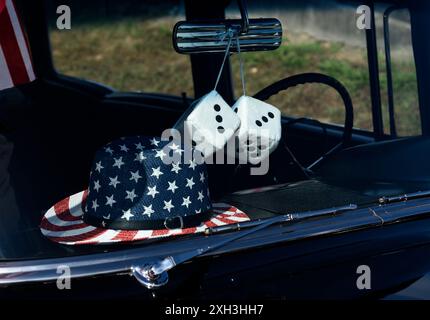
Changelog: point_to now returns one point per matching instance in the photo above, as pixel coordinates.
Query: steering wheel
(305, 78)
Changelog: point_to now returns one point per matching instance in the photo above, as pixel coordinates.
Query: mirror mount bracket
(244, 15)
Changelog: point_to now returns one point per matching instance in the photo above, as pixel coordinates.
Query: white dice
(211, 124)
(260, 130)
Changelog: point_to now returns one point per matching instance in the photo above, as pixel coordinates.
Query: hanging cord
(239, 167)
(241, 66)
(228, 34)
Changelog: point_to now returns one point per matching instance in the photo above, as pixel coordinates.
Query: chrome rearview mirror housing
(210, 36)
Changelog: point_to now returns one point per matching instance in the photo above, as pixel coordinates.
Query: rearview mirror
(210, 36)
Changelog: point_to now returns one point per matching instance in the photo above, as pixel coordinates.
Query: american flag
(63, 223)
(15, 61)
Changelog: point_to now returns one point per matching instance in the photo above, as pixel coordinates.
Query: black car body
(387, 177)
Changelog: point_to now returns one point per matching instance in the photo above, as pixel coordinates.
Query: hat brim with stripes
(63, 223)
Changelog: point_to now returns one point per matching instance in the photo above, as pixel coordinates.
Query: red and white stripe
(15, 62)
(63, 224)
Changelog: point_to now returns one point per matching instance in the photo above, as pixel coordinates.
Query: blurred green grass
(137, 55)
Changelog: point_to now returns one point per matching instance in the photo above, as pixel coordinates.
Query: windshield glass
(127, 45)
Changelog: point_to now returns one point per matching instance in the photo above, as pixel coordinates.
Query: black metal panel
(33, 14)
(420, 25)
(205, 67)
(375, 90)
(388, 66)
(324, 268)
(319, 268)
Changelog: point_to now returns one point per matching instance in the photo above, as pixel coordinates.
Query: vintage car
(339, 199)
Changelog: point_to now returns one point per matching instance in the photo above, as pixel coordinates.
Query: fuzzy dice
(260, 130)
(210, 124)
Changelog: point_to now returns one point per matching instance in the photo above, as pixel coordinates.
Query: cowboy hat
(136, 193)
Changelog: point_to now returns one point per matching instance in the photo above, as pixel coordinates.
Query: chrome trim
(132, 261)
(404, 197)
(148, 279)
(195, 37)
(159, 269)
(290, 217)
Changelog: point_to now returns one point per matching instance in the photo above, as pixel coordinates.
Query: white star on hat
(139, 146)
(114, 181)
(193, 164)
(202, 177)
(160, 154)
(97, 185)
(154, 142)
(124, 148)
(186, 202)
(99, 166)
(176, 168)
(201, 196)
(135, 176)
(172, 186)
(95, 205)
(156, 172)
(131, 195)
(118, 162)
(152, 191)
(190, 183)
(109, 150)
(110, 201)
(148, 210)
(168, 205)
(174, 146)
(127, 214)
(140, 157)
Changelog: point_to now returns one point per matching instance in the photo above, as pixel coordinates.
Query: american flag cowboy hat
(135, 194)
(16, 66)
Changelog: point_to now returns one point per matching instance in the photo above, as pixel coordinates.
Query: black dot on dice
(217, 108)
(235, 110)
(218, 118)
(271, 115)
(265, 119)
(258, 123)
(221, 129)
(194, 143)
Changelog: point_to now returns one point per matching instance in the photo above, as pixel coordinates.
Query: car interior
(53, 127)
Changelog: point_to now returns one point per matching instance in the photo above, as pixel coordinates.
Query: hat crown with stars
(132, 188)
